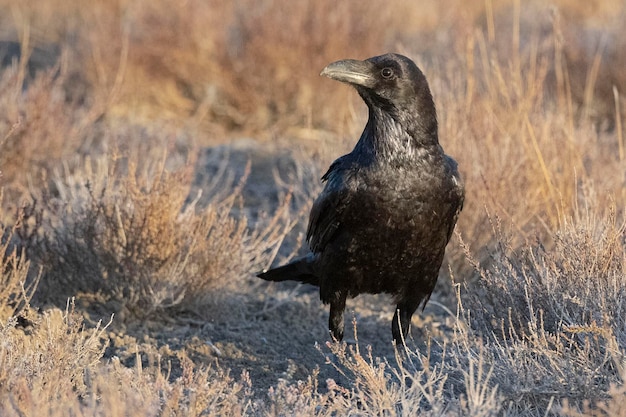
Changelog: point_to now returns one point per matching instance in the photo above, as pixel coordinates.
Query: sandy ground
(280, 333)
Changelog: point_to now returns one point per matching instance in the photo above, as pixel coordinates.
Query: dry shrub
(553, 318)
(50, 363)
(38, 128)
(209, 392)
(199, 391)
(614, 406)
(588, 45)
(128, 235)
(59, 371)
(16, 290)
(525, 154)
(415, 384)
(239, 65)
(579, 280)
(380, 388)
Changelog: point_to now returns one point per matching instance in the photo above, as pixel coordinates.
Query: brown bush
(37, 128)
(129, 236)
(16, 288)
(552, 317)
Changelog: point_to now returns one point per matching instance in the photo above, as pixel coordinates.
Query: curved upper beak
(351, 71)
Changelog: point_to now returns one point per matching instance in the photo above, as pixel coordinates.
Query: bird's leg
(402, 320)
(335, 319)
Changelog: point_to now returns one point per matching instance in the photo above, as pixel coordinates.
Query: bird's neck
(391, 136)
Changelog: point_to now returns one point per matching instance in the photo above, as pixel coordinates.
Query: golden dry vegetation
(155, 154)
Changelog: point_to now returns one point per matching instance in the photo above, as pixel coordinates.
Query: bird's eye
(387, 73)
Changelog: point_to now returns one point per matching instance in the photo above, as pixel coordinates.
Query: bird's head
(391, 83)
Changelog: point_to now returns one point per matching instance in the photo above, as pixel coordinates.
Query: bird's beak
(351, 71)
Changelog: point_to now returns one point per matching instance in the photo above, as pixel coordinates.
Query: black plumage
(389, 207)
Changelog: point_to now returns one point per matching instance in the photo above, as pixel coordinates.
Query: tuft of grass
(130, 236)
(16, 288)
(413, 383)
(31, 139)
(552, 318)
(528, 155)
(54, 361)
(60, 370)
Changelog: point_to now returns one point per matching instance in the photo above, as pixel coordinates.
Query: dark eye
(386, 73)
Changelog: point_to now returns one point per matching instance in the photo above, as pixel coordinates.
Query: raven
(388, 208)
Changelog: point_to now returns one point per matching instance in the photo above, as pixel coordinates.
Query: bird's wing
(325, 218)
(329, 207)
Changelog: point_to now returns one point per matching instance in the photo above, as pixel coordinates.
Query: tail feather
(300, 270)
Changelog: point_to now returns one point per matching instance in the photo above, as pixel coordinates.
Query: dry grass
(15, 292)
(31, 140)
(99, 205)
(71, 377)
(130, 236)
(553, 318)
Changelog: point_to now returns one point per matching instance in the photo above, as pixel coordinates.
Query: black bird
(389, 207)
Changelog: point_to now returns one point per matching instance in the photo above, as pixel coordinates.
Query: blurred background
(251, 67)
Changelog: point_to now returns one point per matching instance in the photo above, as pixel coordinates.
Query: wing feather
(328, 209)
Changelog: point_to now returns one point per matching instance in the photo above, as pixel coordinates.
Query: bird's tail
(300, 270)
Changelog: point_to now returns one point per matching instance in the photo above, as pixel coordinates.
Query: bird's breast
(412, 204)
